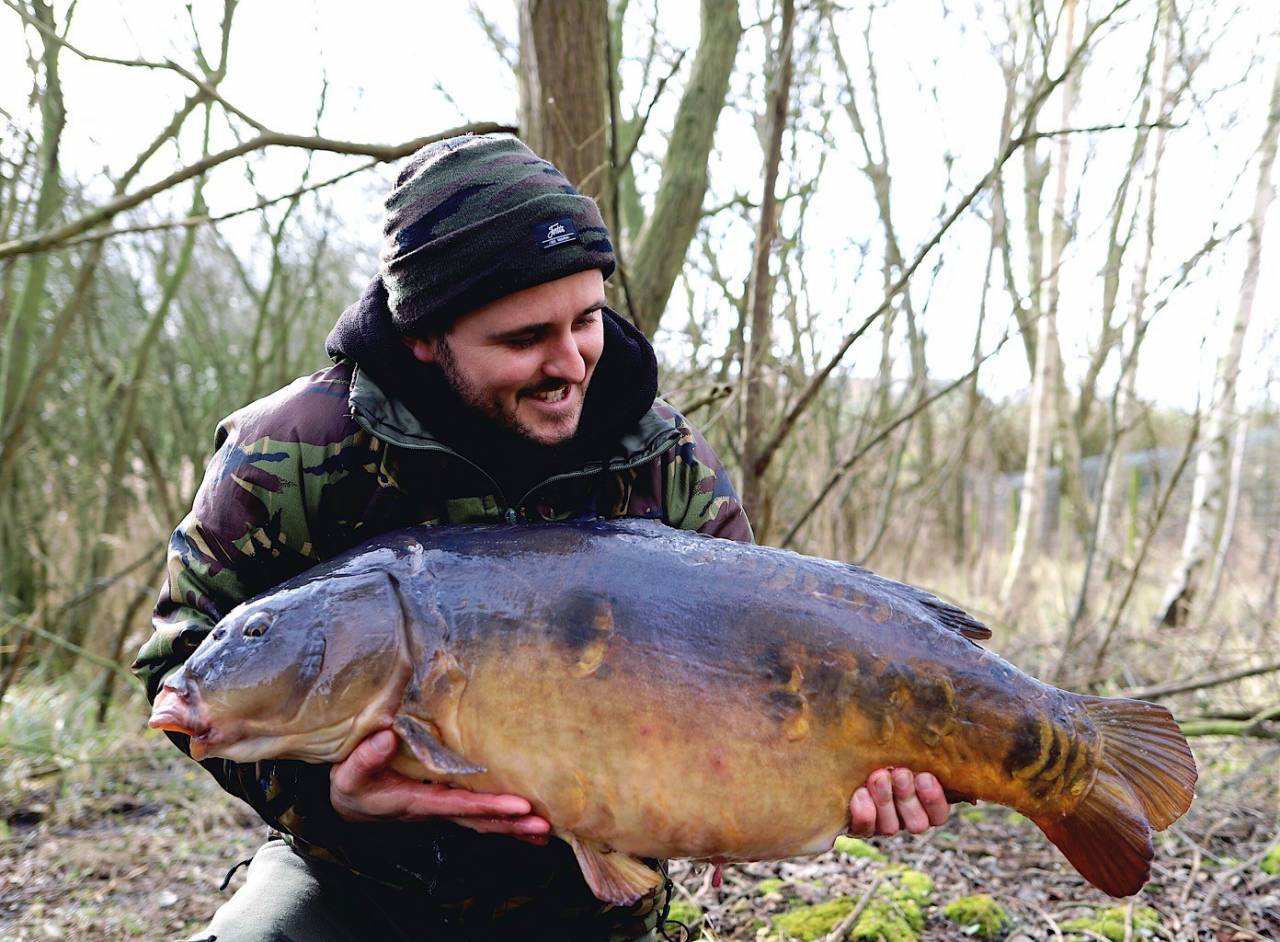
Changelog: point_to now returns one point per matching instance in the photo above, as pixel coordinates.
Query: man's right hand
(363, 787)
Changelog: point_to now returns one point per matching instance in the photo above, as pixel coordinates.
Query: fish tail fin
(1146, 779)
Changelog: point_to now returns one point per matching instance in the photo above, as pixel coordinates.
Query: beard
(492, 416)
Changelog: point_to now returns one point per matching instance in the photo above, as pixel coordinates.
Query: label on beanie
(556, 232)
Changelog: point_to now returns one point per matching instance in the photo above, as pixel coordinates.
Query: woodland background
(978, 294)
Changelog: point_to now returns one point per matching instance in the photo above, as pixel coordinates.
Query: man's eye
(521, 343)
(587, 320)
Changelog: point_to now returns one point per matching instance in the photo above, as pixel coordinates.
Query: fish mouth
(175, 711)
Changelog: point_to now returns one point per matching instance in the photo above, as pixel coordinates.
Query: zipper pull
(511, 515)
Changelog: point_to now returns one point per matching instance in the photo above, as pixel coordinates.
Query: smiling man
(480, 378)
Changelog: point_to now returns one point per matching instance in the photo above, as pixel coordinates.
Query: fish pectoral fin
(429, 750)
(613, 876)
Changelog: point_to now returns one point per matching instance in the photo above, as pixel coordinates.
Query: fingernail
(901, 779)
(383, 742)
(927, 780)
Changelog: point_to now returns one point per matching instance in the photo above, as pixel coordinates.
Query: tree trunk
(1207, 491)
(564, 106)
(761, 292)
(664, 240)
(17, 572)
(1044, 380)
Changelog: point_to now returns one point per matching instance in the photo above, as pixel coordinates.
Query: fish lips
(178, 712)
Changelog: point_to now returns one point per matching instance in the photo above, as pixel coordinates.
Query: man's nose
(564, 359)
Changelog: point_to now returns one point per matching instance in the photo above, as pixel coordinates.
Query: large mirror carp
(656, 693)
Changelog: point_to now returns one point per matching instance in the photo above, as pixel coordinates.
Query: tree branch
(43, 241)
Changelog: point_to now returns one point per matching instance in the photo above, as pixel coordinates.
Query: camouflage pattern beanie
(475, 218)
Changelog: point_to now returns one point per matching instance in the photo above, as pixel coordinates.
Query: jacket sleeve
(247, 531)
(697, 492)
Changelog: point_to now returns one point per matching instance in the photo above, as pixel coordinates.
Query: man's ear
(423, 349)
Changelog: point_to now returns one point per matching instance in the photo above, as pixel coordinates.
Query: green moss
(911, 884)
(887, 920)
(1271, 862)
(688, 913)
(813, 922)
(979, 915)
(1109, 923)
(853, 847)
(973, 813)
(894, 914)
(765, 887)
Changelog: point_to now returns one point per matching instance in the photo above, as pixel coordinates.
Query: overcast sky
(399, 70)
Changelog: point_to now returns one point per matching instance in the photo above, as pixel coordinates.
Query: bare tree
(760, 295)
(1044, 379)
(1205, 520)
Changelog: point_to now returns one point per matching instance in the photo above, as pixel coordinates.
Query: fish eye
(257, 625)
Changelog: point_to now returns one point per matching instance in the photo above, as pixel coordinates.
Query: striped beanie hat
(475, 218)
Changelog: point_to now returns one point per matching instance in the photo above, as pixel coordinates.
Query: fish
(655, 693)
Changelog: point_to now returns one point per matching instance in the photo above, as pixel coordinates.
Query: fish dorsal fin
(944, 614)
(955, 618)
(613, 876)
(429, 750)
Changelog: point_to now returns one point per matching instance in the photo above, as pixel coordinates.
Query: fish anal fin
(429, 750)
(1106, 837)
(613, 876)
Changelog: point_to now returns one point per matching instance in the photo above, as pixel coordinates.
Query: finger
(913, 816)
(881, 789)
(429, 800)
(932, 797)
(862, 814)
(364, 764)
(528, 826)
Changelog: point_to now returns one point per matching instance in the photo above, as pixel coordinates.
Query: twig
(1157, 691)
(844, 925)
(206, 89)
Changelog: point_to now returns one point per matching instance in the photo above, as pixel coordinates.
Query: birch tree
(1044, 403)
(1205, 519)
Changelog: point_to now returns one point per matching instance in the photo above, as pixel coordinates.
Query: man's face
(525, 360)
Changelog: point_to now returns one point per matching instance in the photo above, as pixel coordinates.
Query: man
(481, 377)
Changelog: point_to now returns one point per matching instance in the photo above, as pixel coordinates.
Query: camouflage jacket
(330, 461)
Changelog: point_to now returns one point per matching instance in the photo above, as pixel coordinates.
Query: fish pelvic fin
(613, 876)
(1146, 779)
(429, 750)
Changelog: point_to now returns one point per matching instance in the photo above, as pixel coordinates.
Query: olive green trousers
(288, 898)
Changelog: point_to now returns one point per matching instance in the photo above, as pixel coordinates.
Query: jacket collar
(393, 422)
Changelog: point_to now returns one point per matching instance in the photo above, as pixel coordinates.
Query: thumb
(365, 761)
(381, 745)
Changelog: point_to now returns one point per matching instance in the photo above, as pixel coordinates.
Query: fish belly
(636, 758)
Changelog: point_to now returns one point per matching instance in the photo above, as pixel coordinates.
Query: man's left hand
(894, 799)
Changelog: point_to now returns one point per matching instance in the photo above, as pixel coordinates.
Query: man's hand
(894, 799)
(363, 787)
